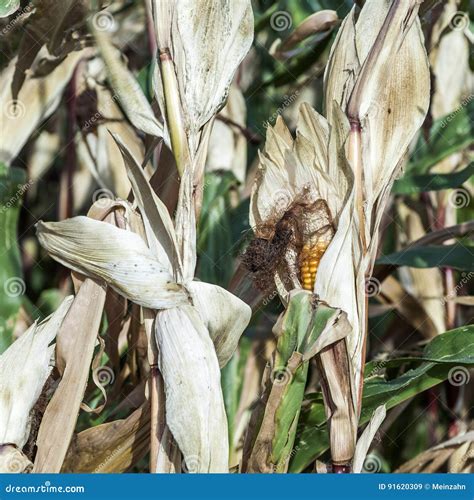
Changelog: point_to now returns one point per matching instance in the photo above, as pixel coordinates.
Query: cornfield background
(90, 127)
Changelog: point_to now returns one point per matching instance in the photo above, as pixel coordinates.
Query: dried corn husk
(227, 144)
(12, 460)
(73, 360)
(426, 285)
(116, 256)
(367, 437)
(192, 380)
(222, 313)
(152, 277)
(38, 98)
(370, 78)
(206, 42)
(352, 169)
(315, 23)
(24, 368)
(8, 7)
(126, 88)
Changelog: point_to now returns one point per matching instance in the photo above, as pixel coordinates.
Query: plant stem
(155, 411)
(174, 117)
(355, 159)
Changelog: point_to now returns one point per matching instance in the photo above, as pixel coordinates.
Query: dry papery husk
(24, 368)
(37, 100)
(126, 88)
(365, 440)
(426, 285)
(370, 77)
(147, 276)
(456, 455)
(74, 358)
(13, 461)
(206, 42)
(97, 153)
(112, 447)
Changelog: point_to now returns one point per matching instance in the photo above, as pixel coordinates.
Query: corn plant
(204, 295)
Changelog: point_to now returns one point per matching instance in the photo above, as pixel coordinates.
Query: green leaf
(451, 349)
(12, 286)
(304, 321)
(232, 378)
(432, 182)
(215, 232)
(455, 346)
(8, 7)
(457, 255)
(288, 71)
(448, 135)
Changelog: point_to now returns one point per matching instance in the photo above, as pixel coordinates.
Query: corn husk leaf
(24, 368)
(340, 400)
(156, 219)
(408, 306)
(449, 59)
(425, 285)
(43, 153)
(438, 454)
(365, 440)
(185, 224)
(48, 37)
(61, 413)
(207, 41)
(188, 363)
(367, 77)
(38, 98)
(315, 23)
(113, 447)
(126, 88)
(307, 328)
(13, 461)
(119, 257)
(227, 145)
(223, 314)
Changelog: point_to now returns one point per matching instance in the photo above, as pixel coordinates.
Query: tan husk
(113, 447)
(192, 380)
(63, 409)
(126, 88)
(365, 440)
(374, 107)
(206, 41)
(24, 368)
(117, 256)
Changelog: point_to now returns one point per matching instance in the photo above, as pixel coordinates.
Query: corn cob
(310, 257)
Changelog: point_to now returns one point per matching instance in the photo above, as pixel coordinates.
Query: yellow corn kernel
(309, 259)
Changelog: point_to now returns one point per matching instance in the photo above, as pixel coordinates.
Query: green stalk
(174, 117)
